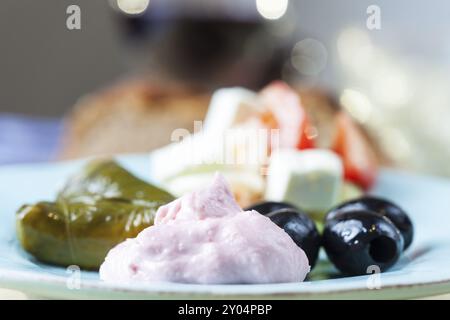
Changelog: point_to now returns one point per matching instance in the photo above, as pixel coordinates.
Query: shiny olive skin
(301, 229)
(357, 240)
(382, 207)
(267, 207)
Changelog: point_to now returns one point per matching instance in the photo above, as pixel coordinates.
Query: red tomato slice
(286, 113)
(360, 163)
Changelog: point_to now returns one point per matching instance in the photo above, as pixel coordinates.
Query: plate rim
(26, 280)
(30, 282)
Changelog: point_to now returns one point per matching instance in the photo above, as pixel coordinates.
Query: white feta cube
(309, 179)
(230, 106)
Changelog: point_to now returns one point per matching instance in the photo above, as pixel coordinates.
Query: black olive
(383, 207)
(267, 207)
(301, 229)
(359, 239)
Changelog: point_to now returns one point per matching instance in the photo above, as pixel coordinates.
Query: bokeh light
(133, 6)
(357, 104)
(309, 57)
(272, 9)
(390, 86)
(355, 49)
(395, 143)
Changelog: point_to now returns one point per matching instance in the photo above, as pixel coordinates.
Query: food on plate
(382, 207)
(301, 229)
(277, 106)
(232, 141)
(121, 118)
(99, 207)
(204, 237)
(360, 161)
(190, 164)
(361, 233)
(266, 207)
(350, 191)
(230, 107)
(285, 112)
(309, 179)
(358, 239)
(285, 155)
(297, 224)
(247, 185)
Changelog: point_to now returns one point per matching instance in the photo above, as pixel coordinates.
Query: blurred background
(72, 93)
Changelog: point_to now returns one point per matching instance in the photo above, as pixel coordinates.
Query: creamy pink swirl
(204, 237)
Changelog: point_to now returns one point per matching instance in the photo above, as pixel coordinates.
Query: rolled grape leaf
(98, 208)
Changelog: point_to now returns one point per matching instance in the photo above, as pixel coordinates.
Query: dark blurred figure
(207, 43)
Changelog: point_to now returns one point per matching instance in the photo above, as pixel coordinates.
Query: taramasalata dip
(204, 237)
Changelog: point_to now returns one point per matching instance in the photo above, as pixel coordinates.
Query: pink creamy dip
(205, 237)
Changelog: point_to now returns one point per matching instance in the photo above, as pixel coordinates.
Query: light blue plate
(424, 270)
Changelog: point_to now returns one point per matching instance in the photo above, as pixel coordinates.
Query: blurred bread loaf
(129, 117)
